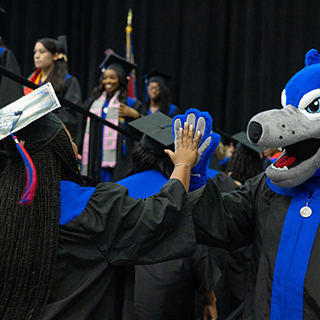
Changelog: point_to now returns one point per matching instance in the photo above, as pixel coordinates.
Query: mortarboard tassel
(29, 190)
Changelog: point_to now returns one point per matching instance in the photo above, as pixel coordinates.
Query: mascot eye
(314, 106)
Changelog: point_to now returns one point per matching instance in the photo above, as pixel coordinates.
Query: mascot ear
(312, 57)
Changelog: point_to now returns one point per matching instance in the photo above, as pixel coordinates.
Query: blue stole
(2, 49)
(212, 173)
(74, 199)
(293, 254)
(172, 107)
(144, 184)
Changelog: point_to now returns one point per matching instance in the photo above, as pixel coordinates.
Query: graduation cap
(244, 145)
(115, 62)
(2, 10)
(158, 76)
(30, 119)
(157, 132)
(155, 76)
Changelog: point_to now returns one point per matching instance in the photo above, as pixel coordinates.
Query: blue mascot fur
(295, 128)
(202, 122)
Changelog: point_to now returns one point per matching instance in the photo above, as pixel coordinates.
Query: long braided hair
(29, 234)
(243, 166)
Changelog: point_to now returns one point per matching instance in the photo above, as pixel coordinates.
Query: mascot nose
(254, 131)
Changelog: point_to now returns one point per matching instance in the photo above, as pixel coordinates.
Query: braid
(244, 166)
(29, 234)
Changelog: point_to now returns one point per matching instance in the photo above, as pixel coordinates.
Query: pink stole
(109, 136)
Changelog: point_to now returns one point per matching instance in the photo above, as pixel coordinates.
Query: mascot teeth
(279, 168)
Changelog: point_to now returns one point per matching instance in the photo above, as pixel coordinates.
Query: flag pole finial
(129, 18)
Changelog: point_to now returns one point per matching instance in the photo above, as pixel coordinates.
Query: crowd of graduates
(180, 288)
(145, 242)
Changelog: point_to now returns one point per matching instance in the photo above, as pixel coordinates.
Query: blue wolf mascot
(279, 210)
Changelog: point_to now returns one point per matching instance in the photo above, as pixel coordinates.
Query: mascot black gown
(279, 210)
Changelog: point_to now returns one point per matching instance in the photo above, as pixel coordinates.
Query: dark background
(231, 58)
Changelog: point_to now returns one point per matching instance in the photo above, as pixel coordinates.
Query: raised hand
(185, 154)
(209, 142)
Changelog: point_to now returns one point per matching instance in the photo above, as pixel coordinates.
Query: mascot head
(295, 127)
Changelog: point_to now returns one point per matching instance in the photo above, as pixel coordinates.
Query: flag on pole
(130, 57)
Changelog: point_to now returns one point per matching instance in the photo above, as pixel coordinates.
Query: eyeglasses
(156, 87)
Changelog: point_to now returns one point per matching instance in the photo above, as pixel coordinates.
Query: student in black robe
(9, 89)
(109, 100)
(63, 254)
(244, 163)
(157, 94)
(51, 63)
(166, 290)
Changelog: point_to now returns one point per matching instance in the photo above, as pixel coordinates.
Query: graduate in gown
(51, 63)
(64, 247)
(277, 211)
(166, 290)
(157, 94)
(9, 89)
(110, 101)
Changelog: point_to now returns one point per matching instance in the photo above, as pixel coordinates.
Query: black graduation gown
(71, 118)
(286, 248)
(229, 289)
(166, 290)
(9, 89)
(113, 232)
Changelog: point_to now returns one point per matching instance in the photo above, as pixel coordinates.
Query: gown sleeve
(71, 117)
(227, 220)
(9, 89)
(130, 231)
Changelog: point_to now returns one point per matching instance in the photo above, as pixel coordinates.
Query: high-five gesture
(202, 121)
(185, 154)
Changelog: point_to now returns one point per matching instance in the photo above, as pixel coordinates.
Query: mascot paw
(202, 121)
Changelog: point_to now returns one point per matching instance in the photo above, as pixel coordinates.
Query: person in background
(166, 290)
(158, 94)
(9, 89)
(66, 248)
(110, 101)
(246, 161)
(270, 156)
(51, 63)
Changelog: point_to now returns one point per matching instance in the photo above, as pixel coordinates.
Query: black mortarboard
(157, 132)
(117, 63)
(62, 44)
(28, 119)
(244, 145)
(2, 10)
(31, 119)
(158, 76)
